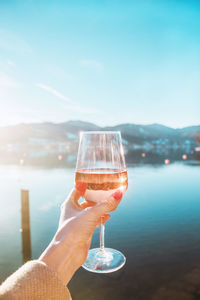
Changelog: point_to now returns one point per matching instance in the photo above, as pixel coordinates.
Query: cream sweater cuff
(34, 280)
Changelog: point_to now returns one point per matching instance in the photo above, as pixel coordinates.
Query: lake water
(157, 227)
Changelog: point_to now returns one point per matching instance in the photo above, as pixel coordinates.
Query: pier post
(25, 229)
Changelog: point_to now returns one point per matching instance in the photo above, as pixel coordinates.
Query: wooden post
(25, 220)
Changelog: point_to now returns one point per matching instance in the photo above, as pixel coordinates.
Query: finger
(86, 204)
(76, 193)
(108, 205)
(81, 187)
(72, 198)
(106, 217)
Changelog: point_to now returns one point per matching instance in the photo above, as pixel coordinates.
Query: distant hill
(64, 131)
(51, 144)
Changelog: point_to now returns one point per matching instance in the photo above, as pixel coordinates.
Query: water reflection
(157, 155)
(156, 227)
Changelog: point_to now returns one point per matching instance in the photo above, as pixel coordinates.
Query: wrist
(61, 259)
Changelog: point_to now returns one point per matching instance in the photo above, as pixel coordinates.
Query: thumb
(108, 205)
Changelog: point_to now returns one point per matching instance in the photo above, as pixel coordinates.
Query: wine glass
(101, 164)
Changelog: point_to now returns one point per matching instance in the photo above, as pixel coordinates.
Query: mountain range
(132, 133)
(51, 144)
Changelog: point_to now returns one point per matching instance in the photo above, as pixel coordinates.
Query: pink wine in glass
(102, 182)
(101, 164)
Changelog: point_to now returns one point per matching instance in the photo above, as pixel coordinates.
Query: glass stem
(102, 230)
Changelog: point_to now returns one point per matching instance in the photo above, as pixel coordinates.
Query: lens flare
(21, 162)
(184, 156)
(167, 161)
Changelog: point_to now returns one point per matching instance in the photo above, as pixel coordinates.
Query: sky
(106, 62)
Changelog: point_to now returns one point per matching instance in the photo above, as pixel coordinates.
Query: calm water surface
(157, 227)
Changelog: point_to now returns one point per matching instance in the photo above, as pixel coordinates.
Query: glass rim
(101, 132)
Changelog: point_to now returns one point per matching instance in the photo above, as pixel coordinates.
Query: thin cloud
(7, 81)
(54, 92)
(74, 106)
(90, 63)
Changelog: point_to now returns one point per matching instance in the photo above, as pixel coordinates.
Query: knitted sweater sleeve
(34, 280)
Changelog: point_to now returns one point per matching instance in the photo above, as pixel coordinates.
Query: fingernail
(117, 195)
(81, 187)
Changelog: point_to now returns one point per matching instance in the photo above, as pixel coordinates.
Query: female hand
(69, 248)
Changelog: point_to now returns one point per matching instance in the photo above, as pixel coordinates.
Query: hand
(69, 248)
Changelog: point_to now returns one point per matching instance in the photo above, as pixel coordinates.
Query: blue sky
(106, 62)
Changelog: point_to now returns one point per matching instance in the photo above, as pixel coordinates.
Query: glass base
(104, 261)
